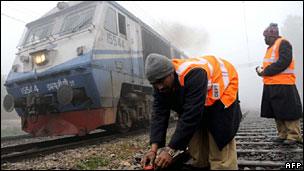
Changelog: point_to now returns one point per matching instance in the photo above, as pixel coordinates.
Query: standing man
(280, 96)
(203, 91)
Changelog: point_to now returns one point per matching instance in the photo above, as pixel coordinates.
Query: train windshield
(73, 22)
(39, 33)
(77, 21)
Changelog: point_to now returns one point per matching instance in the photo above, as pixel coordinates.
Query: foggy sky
(231, 30)
(223, 25)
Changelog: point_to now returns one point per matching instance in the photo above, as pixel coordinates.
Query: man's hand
(259, 70)
(163, 160)
(148, 158)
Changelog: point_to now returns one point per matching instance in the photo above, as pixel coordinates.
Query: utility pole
(246, 35)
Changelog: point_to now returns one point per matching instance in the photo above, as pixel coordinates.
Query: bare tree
(184, 37)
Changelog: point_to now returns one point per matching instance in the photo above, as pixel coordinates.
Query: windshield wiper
(81, 25)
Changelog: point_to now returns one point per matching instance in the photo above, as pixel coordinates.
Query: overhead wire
(31, 14)
(246, 35)
(156, 21)
(23, 10)
(16, 19)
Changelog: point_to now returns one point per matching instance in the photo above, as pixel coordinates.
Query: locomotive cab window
(38, 33)
(110, 21)
(122, 24)
(77, 21)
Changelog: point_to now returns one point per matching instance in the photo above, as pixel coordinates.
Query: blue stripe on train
(115, 52)
(77, 62)
(51, 85)
(80, 75)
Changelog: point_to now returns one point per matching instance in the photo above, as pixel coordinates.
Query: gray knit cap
(272, 30)
(157, 66)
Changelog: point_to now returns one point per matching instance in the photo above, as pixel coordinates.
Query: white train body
(96, 49)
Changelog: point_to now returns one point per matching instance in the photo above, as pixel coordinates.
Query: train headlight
(39, 58)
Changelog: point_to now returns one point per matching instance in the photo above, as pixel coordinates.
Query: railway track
(30, 150)
(18, 137)
(256, 149)
(255, 146)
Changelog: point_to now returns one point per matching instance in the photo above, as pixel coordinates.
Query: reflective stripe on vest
(185, 65)
(272, 55)
(288, 71)
(224, 72)
(202, 61)
(273, 59)
(216, 88)
(222, 77)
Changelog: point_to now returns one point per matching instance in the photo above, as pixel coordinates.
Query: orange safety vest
(271, 56)
(222, 77)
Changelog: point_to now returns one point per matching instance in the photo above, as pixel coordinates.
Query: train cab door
(137, 66)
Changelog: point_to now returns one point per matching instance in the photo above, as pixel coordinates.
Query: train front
(51, 85)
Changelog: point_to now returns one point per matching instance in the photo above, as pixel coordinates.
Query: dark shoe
(289, 142)
(278, 139)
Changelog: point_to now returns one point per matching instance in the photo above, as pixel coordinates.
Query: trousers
(205, 152)
(289, 129)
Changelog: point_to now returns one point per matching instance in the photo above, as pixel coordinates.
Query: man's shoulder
(196, 72)
(195, 75)
(285, 42)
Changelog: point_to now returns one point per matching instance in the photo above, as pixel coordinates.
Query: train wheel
(124, 121)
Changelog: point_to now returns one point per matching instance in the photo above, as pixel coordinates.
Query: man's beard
(267, 41)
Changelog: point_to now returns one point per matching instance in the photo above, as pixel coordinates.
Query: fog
(293, 31)
(230, 30)
(187, 39)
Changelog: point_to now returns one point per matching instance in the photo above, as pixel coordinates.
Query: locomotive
(80, 67)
